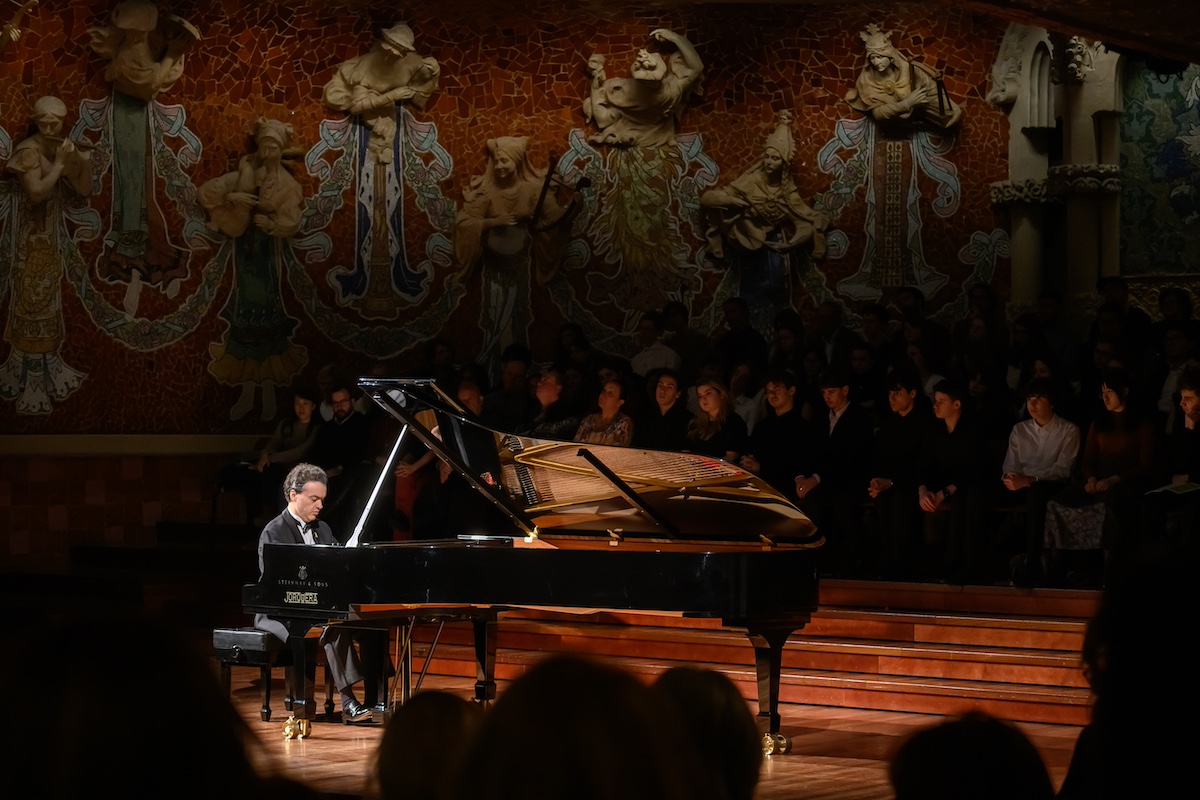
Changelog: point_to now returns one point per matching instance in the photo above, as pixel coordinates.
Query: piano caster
(297, 728)
(775, 744)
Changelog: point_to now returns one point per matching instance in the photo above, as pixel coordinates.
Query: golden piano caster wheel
(775, 744)
(297, 728)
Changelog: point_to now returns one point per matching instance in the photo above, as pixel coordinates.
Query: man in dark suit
(833, 494)
(305, 488)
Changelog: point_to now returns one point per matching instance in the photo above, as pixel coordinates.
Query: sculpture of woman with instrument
(259, 205)
(510, 225)
(34, 374)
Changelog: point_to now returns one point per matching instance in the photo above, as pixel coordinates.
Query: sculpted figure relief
(644, 109)
(260, 206)
(146, 57)
(763, 207)
(509, 226)
(895, 90)
(34, 374)
(371, 85)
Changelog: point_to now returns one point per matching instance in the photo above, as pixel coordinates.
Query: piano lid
(555, 489)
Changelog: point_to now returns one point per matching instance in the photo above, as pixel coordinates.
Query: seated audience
(605, 743)
(893, 483)
(716, 430)
(1139, 741)
(1041, 456)
(510, 407)
(1118, 458)
(976, 756)
(654, 353)
(422, 749)
(340, 450)
(952, 474)
(553, 419)
(609, 425)
(260, 477)
(783, 444)
(718, 724)
(663, 424)
(833, 493)
(1183, 468)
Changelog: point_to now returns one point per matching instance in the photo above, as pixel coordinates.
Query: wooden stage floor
(839, 754)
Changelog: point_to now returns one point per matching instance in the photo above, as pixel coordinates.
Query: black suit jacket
(846, 450)
(284, 530)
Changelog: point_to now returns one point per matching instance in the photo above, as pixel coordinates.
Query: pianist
(304, 487)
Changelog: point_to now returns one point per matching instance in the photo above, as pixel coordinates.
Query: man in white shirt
(654, 354)
(1042, 452)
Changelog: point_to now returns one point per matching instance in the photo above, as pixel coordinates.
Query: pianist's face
(307, 504)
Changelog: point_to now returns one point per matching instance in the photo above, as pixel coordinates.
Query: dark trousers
(899, 516)
(1032, 501)
(968, 535)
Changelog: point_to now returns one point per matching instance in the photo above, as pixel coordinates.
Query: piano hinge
(616, 536)
(767, 543)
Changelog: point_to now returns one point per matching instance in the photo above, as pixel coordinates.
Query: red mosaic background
(512, 68)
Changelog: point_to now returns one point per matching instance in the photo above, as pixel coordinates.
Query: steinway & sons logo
(298, 597)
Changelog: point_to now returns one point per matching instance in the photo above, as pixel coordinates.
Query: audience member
(511, 407)
(691, 345)
(420, 756)
(1183, 468)
(654, 353)
(789, 342)
(976, 756)
(735, 339)
(783, 444)
(718, 724)
(84, 739)
(832, 495)
(1041, 456)
(663, 424)
(554, 420)
(259, 477)
(605, 743)
(1138, 742)
(716, 430)
(1101, 512)
(831, 335)
(609, 425)
(953, 474)
(340, 449)
(893, 483)
(745, 394)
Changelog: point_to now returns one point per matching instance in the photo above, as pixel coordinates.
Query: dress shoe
(354, 711)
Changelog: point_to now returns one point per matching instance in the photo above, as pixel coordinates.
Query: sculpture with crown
(898, 91)
(760, 224)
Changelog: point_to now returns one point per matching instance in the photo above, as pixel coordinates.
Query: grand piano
(577, 527)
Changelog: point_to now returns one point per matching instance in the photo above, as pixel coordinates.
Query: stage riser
(892, 647)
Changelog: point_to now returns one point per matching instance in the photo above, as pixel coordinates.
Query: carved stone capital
(1084, 179)
(1073, 58)
(1028, 192)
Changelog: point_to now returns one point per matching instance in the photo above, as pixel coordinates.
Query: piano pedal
(297, 728)
(775, 744)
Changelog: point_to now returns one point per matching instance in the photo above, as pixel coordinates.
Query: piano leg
(485, 658)
(303, 671)
(768, 662)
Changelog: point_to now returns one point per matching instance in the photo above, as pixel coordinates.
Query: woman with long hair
(1118, 457)
(716, 431)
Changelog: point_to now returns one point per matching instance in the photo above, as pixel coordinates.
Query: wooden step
(1028, 703)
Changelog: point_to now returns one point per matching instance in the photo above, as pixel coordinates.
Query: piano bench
(252, 647)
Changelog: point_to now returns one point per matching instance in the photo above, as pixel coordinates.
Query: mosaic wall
(145, 347)
(1160, 165)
